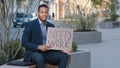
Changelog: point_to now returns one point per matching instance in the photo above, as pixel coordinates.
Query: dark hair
(42, 5)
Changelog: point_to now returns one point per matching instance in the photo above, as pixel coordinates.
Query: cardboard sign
(59, 38)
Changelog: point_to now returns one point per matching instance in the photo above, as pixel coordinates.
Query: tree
(113, 8)
(97, 3)
(6, 17)
(84, 18)
(10, 48)
(87, 18)
(101, 5)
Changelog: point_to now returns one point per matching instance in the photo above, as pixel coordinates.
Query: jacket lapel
(47, 25)
(38, 27)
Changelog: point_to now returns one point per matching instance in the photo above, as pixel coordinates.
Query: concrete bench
(78, 59)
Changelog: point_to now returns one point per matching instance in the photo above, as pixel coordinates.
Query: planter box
(87, 37)
(109, 24)
(78, 59)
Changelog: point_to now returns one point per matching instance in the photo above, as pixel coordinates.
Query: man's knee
(37, 57)
(63, 56)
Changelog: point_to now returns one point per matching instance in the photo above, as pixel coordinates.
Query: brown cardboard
(59, 38)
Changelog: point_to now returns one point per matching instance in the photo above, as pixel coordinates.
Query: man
(34, 38)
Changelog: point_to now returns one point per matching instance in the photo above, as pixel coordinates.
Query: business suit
(32, 38)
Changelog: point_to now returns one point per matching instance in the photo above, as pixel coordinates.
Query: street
(105, 54)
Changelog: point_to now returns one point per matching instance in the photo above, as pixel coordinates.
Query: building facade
(60, 9)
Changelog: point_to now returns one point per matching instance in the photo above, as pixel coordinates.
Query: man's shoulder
(31, 23)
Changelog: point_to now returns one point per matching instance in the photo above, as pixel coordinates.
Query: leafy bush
(12, 51)
(113, 17)
(81, 24)
(86, 24)
(74, 46)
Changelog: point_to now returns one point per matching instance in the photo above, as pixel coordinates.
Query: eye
(44, 12)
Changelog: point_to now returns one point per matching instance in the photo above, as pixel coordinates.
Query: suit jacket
(32, 37)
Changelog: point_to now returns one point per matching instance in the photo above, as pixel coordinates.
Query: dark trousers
(51, 57)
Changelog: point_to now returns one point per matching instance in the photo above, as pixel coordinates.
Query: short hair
(42, 5)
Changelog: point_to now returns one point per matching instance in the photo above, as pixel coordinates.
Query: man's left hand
(68, 51)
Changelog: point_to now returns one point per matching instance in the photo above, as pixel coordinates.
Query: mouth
(44, 17)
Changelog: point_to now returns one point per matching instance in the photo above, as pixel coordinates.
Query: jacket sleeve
(26, 39)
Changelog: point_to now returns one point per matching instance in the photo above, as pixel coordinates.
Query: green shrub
(12, 51)
(113, 17)
(74, 46)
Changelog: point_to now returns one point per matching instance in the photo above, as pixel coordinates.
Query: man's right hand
(43, 48)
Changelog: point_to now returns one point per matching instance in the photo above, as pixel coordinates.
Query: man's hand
(68, 51)
(43, 48)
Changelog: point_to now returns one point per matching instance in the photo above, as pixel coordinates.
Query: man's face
(43, 13)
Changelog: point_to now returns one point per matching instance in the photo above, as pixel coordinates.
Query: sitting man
(34, 39)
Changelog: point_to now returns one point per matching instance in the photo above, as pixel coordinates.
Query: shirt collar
(41, 23)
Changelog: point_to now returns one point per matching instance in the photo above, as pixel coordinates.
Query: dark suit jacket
(32, 37)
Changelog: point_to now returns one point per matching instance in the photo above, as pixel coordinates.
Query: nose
(44, 13)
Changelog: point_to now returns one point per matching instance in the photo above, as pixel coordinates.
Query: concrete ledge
(78, 59)
(109, 24)
(87, 37)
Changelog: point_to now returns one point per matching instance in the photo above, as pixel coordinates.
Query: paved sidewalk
(107, 53)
